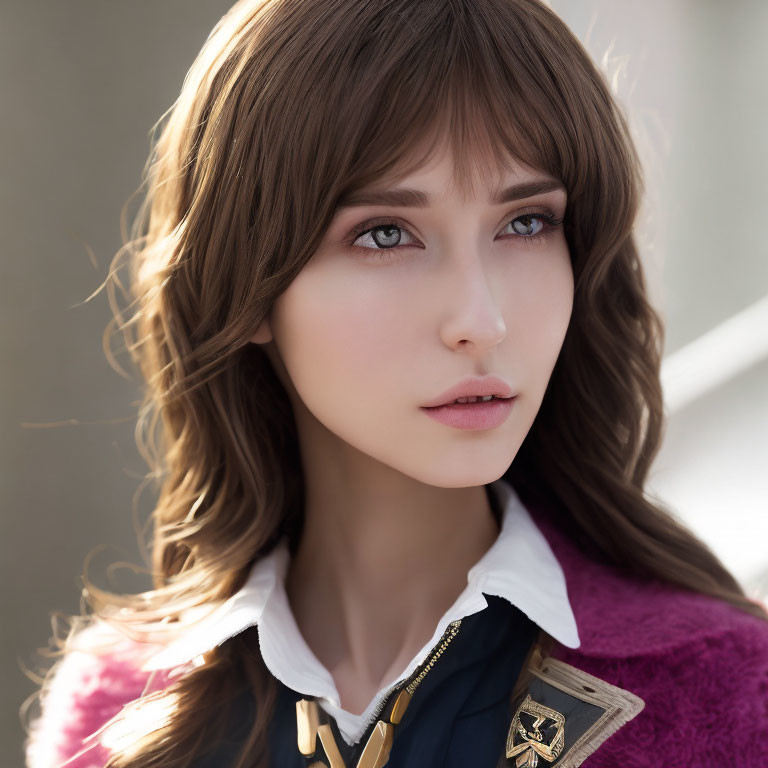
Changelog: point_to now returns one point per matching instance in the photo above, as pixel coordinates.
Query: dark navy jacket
(459, 714)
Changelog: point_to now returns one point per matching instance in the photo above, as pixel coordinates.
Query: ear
(263, 333)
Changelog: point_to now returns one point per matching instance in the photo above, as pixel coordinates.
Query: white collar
(520, 566)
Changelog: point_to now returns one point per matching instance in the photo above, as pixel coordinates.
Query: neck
(377, 565)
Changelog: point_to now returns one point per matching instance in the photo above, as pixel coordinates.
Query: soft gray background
(82, 82)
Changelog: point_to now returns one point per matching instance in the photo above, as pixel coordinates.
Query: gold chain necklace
(376, 751)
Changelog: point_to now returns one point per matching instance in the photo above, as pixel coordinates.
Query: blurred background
(81, 84)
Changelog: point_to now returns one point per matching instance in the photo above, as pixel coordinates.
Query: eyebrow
(414, 198)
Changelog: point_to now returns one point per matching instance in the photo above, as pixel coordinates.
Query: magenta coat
(699, 665)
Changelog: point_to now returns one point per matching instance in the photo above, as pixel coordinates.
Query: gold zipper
(451, 632)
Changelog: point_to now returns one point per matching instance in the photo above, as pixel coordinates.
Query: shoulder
(677, 630)
(619, 614)
(694, 688)
(625, 616)
(694, 693)
(639, 624)
(87, 687)
(696, 661)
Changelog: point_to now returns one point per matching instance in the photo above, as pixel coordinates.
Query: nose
(473, 316)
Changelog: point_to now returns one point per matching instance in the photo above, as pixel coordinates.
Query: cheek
(540, 301)
(333, 332)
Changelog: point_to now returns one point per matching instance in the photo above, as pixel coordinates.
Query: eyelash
(551, 223)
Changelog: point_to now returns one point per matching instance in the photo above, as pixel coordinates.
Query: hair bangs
(460, 91)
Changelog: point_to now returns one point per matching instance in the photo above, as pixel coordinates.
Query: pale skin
(396, 509)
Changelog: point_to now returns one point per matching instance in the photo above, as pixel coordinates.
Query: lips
(473, 387)
(473, 416)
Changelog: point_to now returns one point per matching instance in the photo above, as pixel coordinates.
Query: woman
(360, 216)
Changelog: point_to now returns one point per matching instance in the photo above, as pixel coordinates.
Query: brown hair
(289, 105)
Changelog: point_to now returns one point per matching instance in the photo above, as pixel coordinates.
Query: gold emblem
(536, 731)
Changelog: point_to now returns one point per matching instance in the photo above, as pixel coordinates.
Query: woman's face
(401, 302)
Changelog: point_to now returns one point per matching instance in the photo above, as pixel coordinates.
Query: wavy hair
(288, 106)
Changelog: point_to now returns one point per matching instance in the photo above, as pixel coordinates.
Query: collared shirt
(520, 567)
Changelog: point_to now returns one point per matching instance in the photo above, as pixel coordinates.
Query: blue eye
(383, 236)
(386, 235)
(523, 225)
